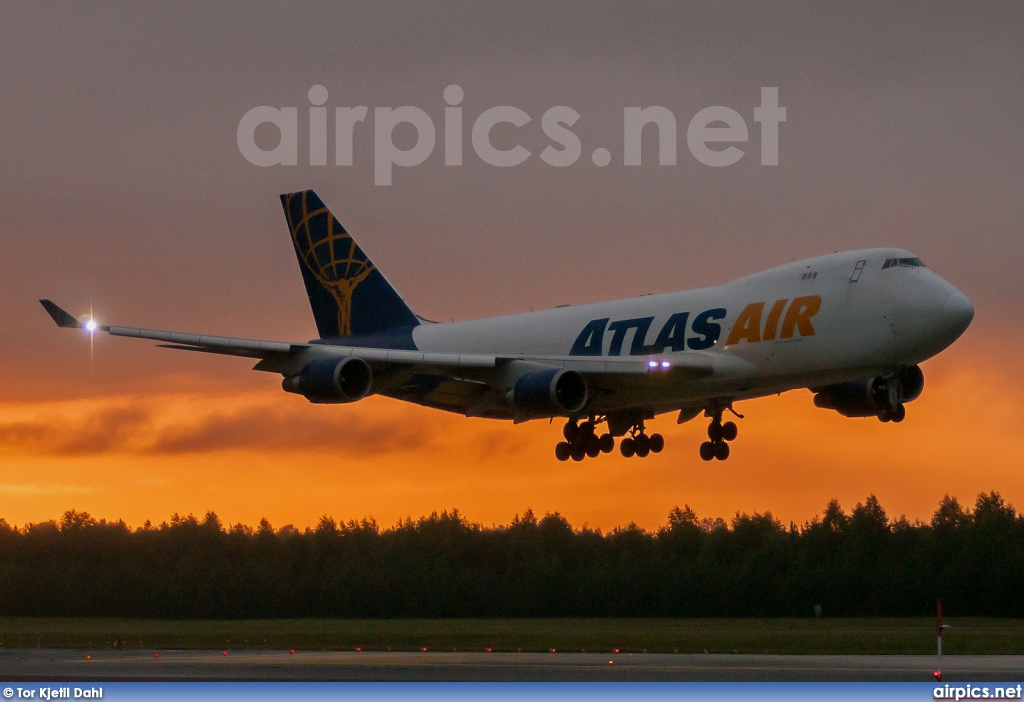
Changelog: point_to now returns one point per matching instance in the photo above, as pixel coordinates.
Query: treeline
(861, 563)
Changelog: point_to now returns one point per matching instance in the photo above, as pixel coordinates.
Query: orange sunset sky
(246, 451)
(124, 191)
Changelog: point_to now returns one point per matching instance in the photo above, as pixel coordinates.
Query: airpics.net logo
(712, 134)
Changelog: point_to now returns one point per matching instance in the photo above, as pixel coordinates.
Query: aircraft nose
(958, 311)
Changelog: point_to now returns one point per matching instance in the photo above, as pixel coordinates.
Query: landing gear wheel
(578, 452)
(719, 434)
(721, 450)
(593, 446)
(643, 445)
(627, 447)
(657, 443)
(570, 431)
(707, 451)
(607, 443)
(562, 451)
(883, 416)
(900, 414)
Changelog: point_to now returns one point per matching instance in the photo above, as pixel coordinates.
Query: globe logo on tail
(330, 254)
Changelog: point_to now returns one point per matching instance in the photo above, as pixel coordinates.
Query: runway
(73, 665)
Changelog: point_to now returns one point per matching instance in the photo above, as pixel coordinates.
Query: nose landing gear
(889, 396)
(893, 415)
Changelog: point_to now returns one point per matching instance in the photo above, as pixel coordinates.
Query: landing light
(652, 363)
(91, 326)
(666, 365)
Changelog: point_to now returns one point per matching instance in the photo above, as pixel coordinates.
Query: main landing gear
(582, 440)
(719, 435)
(639, 444)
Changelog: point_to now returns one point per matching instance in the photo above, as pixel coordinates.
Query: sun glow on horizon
(250, 454)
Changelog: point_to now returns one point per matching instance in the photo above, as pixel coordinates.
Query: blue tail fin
(348, 294)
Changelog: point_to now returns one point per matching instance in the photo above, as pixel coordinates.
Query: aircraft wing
(275, 355)
(464, 383)
(273, 352)
(253, 348)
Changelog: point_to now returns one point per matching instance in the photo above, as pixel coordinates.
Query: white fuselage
(815, 322)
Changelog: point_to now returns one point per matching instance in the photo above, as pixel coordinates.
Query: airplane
(851, 326)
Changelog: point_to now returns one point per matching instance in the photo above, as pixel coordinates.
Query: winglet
(62, 317)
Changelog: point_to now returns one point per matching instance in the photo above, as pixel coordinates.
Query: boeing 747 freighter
(851, 326)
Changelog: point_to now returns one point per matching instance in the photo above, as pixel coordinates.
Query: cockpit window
(903, 262)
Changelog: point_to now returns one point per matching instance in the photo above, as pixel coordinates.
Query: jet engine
(332, 380)
(550, 392)
(873, 397)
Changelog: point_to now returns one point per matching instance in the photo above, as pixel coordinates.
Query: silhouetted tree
(442, 565)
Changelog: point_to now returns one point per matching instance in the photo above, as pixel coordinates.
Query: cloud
(281, 427)
(181, 424)
(53, 431)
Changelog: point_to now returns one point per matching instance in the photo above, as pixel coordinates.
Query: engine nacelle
(550, 392)
(872, 396)
(332, 380)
